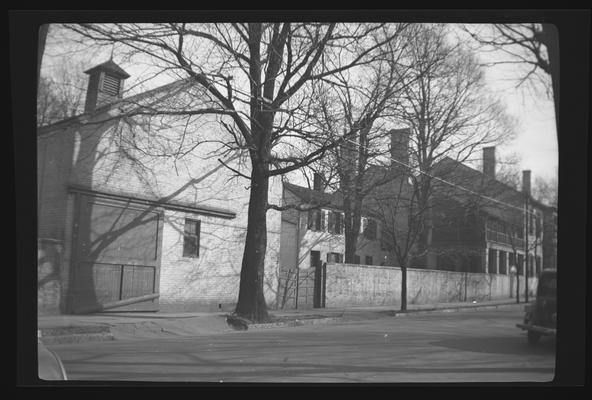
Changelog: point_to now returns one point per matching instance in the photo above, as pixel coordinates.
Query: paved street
(464, 346)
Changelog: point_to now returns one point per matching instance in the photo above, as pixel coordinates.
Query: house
(478, 227)
(135, 212)
(479, 223)
(313, 233)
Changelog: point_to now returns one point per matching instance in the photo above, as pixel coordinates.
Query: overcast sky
(536, 135)
(535, 143)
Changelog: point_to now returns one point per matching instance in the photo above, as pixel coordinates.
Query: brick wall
(362, 285)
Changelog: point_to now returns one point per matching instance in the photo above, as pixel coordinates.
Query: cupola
(105, 85)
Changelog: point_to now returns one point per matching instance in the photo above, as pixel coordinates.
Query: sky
(536, 139)
(536, 135)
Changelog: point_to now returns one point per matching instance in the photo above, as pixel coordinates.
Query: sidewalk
(124, 326)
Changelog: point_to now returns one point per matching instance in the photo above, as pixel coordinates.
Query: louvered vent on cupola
(105, 85)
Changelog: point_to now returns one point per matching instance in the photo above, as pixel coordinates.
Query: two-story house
(480, 224)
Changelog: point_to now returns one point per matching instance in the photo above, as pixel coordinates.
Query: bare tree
(264, 81)
(359, 105)
(545, 190)
(533, 45)
(43, 30)
(60, 96)
(395, 205)
(448, 110)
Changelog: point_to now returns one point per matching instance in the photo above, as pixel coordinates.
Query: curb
(75, 334)
(93, 333)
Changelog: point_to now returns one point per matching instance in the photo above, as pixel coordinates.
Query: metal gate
(116, 256)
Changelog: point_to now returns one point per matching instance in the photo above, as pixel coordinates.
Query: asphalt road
(464, 346)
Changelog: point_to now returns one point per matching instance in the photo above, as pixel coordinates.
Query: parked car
(540, 317)
(50, 367)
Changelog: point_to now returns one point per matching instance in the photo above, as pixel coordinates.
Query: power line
(452, 184)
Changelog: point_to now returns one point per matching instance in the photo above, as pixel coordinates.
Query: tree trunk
(43, 29)
(350, 247)
(403, 288)
(551, 41)
(353, 211)
(251, 301)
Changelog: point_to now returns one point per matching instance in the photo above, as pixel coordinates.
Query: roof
(315, 197)
(145, 99)
(110, 66)
(464, 176)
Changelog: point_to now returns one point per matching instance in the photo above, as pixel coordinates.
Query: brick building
(134, 212)
(483, 227)
(478, 226)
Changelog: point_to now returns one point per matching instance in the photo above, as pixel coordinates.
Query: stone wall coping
(386, 267)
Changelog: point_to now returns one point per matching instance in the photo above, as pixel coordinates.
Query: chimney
(526, 182)
(489, 162)
(400, 146)
(105, 85)
(317, 182)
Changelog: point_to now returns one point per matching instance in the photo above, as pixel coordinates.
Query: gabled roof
(145, 99)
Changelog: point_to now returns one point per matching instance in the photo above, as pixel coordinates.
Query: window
(334, 257)
(492, 258)
(512, 259)
(335, 222)
(520, 265)
(111, 85)
(338, 223)
(191, 238)
(368, 260)
(519, 233)
(502, 262)
(316, 220)
(370, 229)
(538, 227)
(357, 259)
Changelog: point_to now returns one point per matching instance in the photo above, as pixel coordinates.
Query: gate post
(324, 285)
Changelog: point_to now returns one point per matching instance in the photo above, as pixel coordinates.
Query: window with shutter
(331, 225)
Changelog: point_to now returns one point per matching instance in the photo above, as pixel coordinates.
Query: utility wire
(452, 184)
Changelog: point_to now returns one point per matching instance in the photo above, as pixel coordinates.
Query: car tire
(533, 337)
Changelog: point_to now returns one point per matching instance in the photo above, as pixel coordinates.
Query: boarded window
(368, 260)
(111, 85)
(191, 238)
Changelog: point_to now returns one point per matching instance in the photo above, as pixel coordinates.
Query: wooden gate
(116, 256)
(302, 289)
